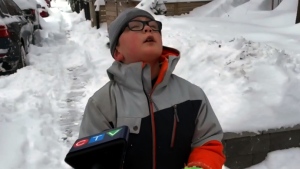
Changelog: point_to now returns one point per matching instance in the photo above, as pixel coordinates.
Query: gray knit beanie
(117, 26)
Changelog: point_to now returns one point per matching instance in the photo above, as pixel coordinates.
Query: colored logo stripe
(81, 143)
(113, 132)
(96, 138)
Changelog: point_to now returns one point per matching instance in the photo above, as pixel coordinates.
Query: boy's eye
(153, 25)
(135, 24)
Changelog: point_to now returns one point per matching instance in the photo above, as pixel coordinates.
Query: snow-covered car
(43, 8)
(30, 9)
(43, 12)
(48, 3)
(16, 34)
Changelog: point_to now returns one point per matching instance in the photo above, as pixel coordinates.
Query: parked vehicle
(30, 9)
(43, 11)
(16, 34)
(48, 3)
(43, 8)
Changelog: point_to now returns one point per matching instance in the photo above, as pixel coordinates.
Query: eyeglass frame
(145, 23)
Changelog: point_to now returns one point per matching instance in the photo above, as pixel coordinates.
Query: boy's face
(138, 44)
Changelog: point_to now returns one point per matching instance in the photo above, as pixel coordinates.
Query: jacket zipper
(153, 131)
(150, 106)
(176, 120)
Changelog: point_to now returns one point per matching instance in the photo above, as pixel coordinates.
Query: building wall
(102, 13)
(111, 9)
(183, 7)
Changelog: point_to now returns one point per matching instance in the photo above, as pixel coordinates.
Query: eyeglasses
(136, 25)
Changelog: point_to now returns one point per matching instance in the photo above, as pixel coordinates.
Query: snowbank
(251, 86)
(1, 21)
(216, 8)
(42, 3)
(29, 127)
(251, 6)
(7, 20)
(258, 12)
(283, 159)
(287, 5)
(246, 9)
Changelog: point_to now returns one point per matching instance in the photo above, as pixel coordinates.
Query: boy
(171, 121)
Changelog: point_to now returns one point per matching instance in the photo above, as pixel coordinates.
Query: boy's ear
(118, 56)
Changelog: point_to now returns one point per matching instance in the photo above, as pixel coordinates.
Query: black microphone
(105, 150)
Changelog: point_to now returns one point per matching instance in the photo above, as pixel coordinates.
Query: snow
(26, 4)
(172, 1)
(9, 19)
(216, 8)
(153, 6)
(1, 21)
(286, 5)
(250, 71)
(282, 159)
(246, 61)
(98, 3)
(3, 51)
(42, 3)
(289, 158)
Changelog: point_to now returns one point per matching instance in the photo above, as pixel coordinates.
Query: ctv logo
(88, 141)
(96, 138)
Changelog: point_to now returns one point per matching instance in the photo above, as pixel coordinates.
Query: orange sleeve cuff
(208, 156)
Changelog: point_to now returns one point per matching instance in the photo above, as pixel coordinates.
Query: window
(13, 8)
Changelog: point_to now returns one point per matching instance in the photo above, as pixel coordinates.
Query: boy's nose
(147, 29)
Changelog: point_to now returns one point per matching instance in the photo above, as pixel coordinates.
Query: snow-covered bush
(156, 7)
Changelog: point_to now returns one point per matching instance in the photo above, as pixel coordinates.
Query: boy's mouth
(150, 38)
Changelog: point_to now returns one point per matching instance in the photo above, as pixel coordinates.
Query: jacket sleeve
(99, 113)
(93, 120)
(207, 148)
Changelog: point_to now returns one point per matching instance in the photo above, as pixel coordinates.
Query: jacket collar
(137, 76)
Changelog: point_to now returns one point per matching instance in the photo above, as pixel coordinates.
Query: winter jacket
(171, 123)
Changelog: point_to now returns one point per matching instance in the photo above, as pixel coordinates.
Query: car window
(3, 8)
(13, 8)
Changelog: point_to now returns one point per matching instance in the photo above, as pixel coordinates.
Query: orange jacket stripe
(208, 156)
